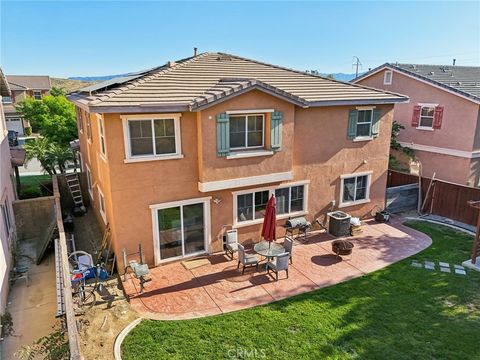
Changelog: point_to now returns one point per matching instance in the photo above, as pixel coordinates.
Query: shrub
(28, 131)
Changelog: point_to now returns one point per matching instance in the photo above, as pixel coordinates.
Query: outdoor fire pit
(342, 247)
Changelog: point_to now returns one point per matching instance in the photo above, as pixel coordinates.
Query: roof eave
(358, 102)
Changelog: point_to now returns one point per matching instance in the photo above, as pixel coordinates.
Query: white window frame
(156, 236)
(80, 119)
(7, 99)
(88, 122)
(129, 158)
(246, 115)
(367, 193)
(101, 135)
(385, 77)
(369, 137)
(6, 215)
(35, 92)
(271, 191)
(423, 127)
(89, 180)
(102, 209)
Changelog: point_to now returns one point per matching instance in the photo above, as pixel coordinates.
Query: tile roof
(464, 80)
(4, 88)
(30, 82)
(210, 77)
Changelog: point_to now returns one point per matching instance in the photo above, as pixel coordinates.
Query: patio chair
(288, 246)
(231, 244)
(278, 264)
(246, 259)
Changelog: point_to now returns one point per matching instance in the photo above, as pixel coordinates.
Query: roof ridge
(313, 75)
(447, 65)
(23, 86)
(148, 76)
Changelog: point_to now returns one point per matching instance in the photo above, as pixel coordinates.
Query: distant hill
(336, 76)
(69, 85)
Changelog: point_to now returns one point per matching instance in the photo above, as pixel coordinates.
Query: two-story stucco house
(7, 221)
(177, 154)
(442, 119)
(21, 87)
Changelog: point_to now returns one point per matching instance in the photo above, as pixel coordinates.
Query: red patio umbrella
(270, 221)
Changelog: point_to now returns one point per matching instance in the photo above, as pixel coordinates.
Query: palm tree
(59, 155)
(39, 149)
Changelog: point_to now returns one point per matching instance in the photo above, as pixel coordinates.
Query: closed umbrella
(269, 221)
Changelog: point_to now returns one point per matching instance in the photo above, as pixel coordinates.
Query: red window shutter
(416, 115)
(437, 118)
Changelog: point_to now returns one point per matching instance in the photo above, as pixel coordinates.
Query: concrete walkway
(176, 293)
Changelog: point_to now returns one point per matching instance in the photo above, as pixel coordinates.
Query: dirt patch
(101, 324)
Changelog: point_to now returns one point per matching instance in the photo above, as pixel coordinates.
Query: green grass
(34, 186)
(399, 312)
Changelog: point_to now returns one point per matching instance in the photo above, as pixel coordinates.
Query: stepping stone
(416, 264)
(460, 272)
(459, 267)
(444, 264)
(429, 263)
(430, 266)
(445, 269)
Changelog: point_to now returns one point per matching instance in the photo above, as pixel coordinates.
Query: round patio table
(268, 250)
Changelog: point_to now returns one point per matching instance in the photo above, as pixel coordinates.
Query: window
(7, 218)
(6, 99)
(37, 95)
(101, 204)
(426, 116)
(364, 123)
(246, 131)
(250, 206)
(387, 77)
(89, 181)
(79, 119)
(355, 189)
(153, 137)
(89, 126)
(101, 133)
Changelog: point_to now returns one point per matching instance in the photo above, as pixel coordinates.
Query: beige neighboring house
(7, 222)
(23, 86)
(178, 154)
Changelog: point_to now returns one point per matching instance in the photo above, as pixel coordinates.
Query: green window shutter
(276, 131)
(223, 135)
(376, 122)
(352, 124)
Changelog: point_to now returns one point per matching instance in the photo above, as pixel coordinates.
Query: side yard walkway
(177, 293)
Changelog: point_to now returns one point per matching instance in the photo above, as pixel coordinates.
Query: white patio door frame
(206, 223)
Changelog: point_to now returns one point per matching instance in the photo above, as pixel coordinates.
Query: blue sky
(67, 38)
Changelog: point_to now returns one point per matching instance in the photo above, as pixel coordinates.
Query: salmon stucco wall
(315, 147)
(458, 130)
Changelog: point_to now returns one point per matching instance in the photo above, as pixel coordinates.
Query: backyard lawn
(399, 312)
(35, 186)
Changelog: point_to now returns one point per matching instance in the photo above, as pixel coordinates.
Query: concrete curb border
(440, 223)
(117, 351)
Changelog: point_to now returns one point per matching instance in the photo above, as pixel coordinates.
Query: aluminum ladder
(74, 186)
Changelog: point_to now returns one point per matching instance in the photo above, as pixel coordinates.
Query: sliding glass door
(181, 230)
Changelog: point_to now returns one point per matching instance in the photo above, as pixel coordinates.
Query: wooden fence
(445, 199)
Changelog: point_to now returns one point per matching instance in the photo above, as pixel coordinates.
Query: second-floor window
(101, 133)
(6, 99)
(247, 131)
(37, 95)
(426, 116)
(89, 126)
(155, 137)
(79, 119)
(364, 123)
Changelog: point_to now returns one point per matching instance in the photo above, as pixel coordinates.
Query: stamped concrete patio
(177, 293)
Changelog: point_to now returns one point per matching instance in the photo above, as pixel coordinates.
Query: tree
(53, 117)
(39, 149)
(395, 146)
(56, 91)
(59, 155)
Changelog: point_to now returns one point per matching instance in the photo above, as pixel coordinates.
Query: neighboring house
(7, 222)
(442, 119)
(177, 154)
(23, 86)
